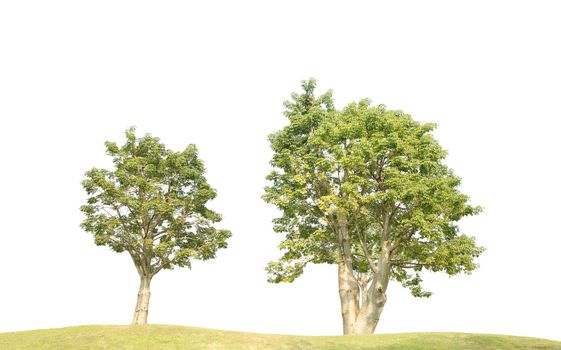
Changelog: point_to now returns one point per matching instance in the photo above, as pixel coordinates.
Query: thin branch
(373, 265)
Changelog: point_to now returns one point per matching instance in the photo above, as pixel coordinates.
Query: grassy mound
(176, 337)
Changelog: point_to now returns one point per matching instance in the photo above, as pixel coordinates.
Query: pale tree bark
(349, 295)
(142, 301)
(364, 279)
(348, 286)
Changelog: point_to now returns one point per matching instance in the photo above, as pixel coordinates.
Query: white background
(76, 73)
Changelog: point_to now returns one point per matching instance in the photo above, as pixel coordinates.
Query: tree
(153, 206)
(364, 188)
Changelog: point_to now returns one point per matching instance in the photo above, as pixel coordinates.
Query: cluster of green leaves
(380, 170)
(153, 205)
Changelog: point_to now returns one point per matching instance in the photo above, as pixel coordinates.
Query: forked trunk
(142, 301)
(369, 315)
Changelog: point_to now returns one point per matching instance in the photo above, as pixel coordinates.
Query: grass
(176, 337)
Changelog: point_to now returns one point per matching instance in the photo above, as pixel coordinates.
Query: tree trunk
(348, 293)
(369, 315)
(348, 286)
(142, 301)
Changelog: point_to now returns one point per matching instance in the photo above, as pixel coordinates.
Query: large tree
(365, 188)
(153, 205)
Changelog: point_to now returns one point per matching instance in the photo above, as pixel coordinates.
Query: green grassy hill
(175, 337)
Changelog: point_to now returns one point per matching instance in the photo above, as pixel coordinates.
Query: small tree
(364, 188)
(153, 206)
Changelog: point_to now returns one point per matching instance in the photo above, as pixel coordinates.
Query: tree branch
(401, 240)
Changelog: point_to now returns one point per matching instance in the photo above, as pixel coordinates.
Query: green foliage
(381, 171)
(153, 205)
